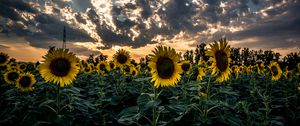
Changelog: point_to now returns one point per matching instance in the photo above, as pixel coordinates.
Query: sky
(29, 27)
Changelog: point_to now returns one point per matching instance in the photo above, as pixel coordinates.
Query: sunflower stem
(154, 112)
(207, 99)
(58, 99)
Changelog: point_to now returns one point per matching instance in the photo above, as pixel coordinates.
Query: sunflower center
(60, 67)
(274, 70)
(2, 59)
(13, 76)
(122, 59)
(87, 69)
(165, 67)
(22, 67)
(102, 67)
(25, 81)
(185, 66)
(133, 72)
(127, 69)
(222, 60)
(30, 66)
(289, 75)
(112, 65)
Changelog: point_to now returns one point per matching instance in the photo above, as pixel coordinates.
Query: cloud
(280, 29)
(137, 23)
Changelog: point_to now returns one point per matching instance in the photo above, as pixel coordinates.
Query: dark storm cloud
(146, 9)
(52, 28)
(80, 19)
(278, 32)
(18, 4)
(177, 15)
(9, 7)
(42, 28)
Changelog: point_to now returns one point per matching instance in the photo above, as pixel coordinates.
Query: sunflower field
(215, 85)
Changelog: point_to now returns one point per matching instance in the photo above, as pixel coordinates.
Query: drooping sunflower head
(121, 58)
(103, 68)
(235, 70)
(260, 68)
(165, 68)
(275, 70)
(11, 76)
(186, 66)
(288, 74)
(112, 65)
(88, 69)
(60, 67)
(133, 71)
(220, 53)
(26, 82)
(4, 58)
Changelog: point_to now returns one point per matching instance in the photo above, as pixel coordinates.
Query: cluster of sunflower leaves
(107, 95)
(119, 100)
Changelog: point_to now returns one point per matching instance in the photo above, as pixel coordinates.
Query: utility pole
(64, 46)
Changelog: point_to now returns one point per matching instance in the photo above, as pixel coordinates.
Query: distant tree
(188, 55)
(291, 60)
(235, 56)
(200, 53)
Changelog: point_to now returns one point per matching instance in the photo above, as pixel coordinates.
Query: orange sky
(22, 51)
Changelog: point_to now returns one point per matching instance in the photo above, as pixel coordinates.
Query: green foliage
(117, 99)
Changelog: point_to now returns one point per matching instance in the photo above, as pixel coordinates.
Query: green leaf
(129, 115)
(47, 102)
(142, 79)
(145, 101)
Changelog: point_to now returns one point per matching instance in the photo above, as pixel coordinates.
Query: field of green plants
(215, 85)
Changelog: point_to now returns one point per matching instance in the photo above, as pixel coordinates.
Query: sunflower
(121, 58)
(87, 69)
(25, 82)
(103, 68)
(186, 66)
(275, 70)
(133, 71)
(260, 68)
(4, 58)
(30, 67)
(202, 63)
(201, 73)
(11, 76)
(165, 68)
(235, 69)
(112, 65)
(126, 69)
(12, 66)
(60, 67)
(288, 74)
(138, 68)
(220, 53)
(22, 66)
